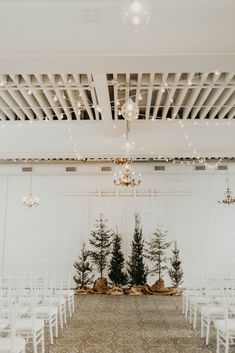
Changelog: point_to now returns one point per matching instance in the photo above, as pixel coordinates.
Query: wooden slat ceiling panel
(160, 96)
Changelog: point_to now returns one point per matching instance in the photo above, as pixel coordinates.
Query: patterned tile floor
(144, 324)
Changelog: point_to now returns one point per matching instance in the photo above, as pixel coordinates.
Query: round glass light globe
(136, 14)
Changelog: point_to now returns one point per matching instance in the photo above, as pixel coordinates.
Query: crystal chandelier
(29, 200)
(126, 177)
(229, 199)
(136, 14)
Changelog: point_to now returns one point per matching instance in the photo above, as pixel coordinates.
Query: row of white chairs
(213, 302)
(29, 307)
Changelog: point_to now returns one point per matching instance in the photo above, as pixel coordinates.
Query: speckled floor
(144, 324)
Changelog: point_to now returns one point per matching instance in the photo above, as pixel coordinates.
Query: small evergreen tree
(137, 271)
(84, 269)
(156, 252)
(116, 274)
(175, 272)
(101, 242)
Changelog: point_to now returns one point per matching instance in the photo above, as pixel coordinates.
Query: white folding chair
(225, 330)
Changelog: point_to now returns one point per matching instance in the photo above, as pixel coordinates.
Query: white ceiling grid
(160, 96)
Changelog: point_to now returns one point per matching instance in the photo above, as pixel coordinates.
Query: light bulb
(130, 110)
(98, 108)
(136, 14)
(136, 20)
(136, 6)
(130, 107)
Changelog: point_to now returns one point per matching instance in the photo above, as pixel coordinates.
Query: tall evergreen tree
(155, 252)
(176, 272)
(84, 269)
(136, 268)
(116, 273)
(101, 242)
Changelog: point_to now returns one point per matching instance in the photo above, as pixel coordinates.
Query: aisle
(146, 324)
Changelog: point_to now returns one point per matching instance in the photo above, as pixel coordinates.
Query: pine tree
(83, 277)
(156, 252)
(116, 274)
(101, 242)
(136, 268)
(175, 272)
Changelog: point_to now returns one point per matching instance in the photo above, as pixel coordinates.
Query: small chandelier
(136, 14)
(126, 178)
(29, 200)
(229, 199)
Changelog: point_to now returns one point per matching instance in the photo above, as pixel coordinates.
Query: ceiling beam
(83, 96)
(100, 83)
(229, 105)
(201, 99)
(39, 100)
(59, 95)
(71, 95)
(12, 104)
(160, 92)
(149, 96)
(169, 99)
(48, 94)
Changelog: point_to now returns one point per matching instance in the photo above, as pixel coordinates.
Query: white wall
(48, 238)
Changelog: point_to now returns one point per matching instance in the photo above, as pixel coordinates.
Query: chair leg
(70, 309)
(43, 342)
(34, 344)
(61, 319)
(73, 306)
(202, 326)
(186, 309)
(65, 314)
(227, 344)
(195, 318)
(50, 331)
(190, 314)
(56, 326)
(217, 343)
(208, 331)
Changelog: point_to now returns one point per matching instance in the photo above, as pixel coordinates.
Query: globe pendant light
(130, 110)
(136, 14)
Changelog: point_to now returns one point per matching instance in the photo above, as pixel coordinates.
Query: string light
(98, 109)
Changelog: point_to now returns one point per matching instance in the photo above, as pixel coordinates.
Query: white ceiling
(55, 53)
